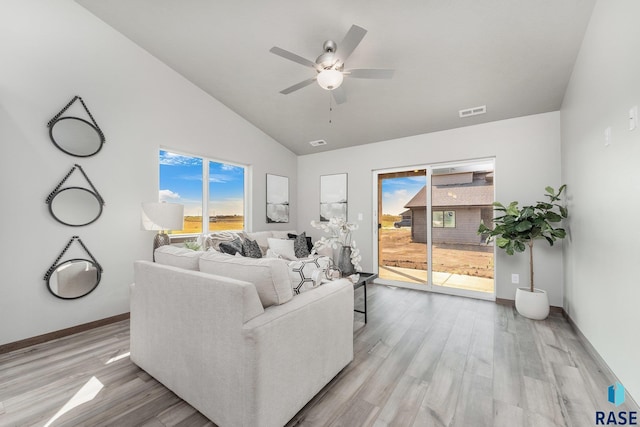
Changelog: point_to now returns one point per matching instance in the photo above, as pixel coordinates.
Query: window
(443, 219)
(221, 196)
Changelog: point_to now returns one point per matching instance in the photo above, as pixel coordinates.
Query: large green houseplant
(519, 227)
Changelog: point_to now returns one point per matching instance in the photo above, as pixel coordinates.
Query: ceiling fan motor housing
(328, 59)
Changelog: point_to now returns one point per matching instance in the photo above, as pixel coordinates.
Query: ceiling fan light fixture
(330, 79)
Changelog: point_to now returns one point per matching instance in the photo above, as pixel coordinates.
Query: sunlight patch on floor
(86, 394)
(118, 357)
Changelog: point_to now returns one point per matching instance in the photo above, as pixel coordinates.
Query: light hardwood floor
(422, 360)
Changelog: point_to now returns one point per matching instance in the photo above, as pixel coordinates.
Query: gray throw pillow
(251, 249)
(233, 247)
(300, 246)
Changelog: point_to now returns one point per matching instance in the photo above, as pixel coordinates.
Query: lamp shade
(161, 216)
(330, 79)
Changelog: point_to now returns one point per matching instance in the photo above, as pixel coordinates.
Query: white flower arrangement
(340, 235)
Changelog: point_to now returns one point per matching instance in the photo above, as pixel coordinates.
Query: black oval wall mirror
(75, 136)
(74, 278)
(75, 206)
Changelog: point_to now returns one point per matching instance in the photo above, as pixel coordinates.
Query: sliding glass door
(401, 256)
(428, 219)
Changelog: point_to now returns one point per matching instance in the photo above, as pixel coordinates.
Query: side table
(365, 278)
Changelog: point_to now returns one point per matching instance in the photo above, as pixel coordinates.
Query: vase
(344, 261)
(534, 305)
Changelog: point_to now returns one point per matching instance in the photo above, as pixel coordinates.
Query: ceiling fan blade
(350, 42)
(293, 57)
(297, 86)
(370, 73)
(339, 95)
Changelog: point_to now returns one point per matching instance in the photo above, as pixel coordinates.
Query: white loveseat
(209, 339)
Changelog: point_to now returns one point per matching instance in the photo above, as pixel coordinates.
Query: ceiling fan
(329, 66)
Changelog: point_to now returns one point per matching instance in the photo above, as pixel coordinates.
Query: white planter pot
(534, 305)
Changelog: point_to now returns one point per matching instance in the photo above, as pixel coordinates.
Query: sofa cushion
(178, 257)
(270, 276)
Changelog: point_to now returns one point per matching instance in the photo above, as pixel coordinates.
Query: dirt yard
(397, 250)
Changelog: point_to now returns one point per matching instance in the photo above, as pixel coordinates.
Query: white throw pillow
(269, 275)
(178, 257)
(282, 247)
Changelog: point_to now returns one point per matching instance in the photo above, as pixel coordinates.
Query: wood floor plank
(441, 398)
(422, 360)
(542, 398)
(507, 375)
(506, 415)
(403, 404)
(475, 402)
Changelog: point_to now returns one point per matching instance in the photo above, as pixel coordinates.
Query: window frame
(443, 212)
(205, 190)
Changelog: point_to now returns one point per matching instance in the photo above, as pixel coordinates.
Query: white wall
(527, 153)
(52, 50)
(602, 291)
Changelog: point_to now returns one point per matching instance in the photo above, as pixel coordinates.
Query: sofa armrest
(295, 349)
(186, 331)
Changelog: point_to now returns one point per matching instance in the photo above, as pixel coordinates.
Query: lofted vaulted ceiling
(514, 56)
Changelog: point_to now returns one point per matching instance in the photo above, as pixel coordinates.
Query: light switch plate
(633, 117)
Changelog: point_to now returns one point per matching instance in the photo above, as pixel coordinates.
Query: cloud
(191, 177)
(172, 159)
(219, 178)
(393, 202)
(165, 195)
(226, 167)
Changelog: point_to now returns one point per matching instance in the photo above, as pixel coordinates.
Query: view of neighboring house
(460, 202)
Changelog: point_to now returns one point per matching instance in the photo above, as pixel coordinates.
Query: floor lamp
(161, 216)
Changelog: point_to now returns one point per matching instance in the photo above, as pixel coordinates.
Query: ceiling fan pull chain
(330, 107)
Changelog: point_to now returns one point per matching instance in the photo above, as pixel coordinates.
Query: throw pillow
(307, 238)
(232, 247)
(300, 246)
(301, 273)
(282, 247)
(251, 249)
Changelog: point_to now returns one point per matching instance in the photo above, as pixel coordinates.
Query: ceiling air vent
(473, 111)
(318, 143)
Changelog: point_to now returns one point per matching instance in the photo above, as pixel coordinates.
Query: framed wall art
(277, 199)
(333, 196)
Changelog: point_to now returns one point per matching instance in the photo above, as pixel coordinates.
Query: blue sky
(181, 182)
(396, 192)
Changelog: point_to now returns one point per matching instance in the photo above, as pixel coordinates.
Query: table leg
(365, 303)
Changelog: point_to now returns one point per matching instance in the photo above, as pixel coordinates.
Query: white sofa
(209, 339)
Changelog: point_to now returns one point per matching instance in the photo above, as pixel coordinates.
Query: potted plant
(518, 228)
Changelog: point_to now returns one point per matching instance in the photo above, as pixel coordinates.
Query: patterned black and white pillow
(251, 249)
(300, 245)
(309, 241)
(232, 247)
(301, 273)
